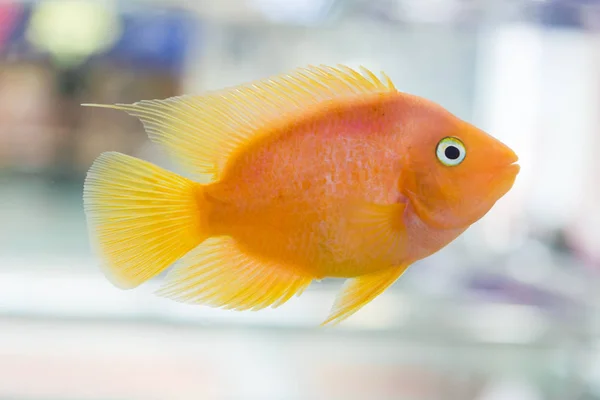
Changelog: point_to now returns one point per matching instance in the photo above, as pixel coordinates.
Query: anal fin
(358, 292)
(219, 274)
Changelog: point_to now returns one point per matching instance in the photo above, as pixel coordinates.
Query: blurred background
(507, 312)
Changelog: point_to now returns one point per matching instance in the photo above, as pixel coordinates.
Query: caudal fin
(141, 218)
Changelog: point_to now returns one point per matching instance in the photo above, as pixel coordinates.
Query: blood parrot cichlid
(320, 172)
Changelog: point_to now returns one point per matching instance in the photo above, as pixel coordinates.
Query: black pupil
(452, 152)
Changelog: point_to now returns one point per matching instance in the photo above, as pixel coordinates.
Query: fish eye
(450, 151)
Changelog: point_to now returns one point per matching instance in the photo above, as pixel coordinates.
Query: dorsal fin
(202, 131)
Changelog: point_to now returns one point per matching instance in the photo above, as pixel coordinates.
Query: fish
(319, 172)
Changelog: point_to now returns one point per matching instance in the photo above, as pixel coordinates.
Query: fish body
(322, 172)
(310, 176)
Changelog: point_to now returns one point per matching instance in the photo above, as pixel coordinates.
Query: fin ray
(375, 228)
(379, 220)
(218, 274)
(141, 218)
(360, 291)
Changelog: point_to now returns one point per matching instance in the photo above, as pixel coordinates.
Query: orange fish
(321, 172)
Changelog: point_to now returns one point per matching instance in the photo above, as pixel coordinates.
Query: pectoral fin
(380, 221)
(357, 292)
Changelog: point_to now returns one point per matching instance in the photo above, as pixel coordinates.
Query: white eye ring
(450, 151)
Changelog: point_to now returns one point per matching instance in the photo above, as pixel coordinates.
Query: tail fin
(142, 218)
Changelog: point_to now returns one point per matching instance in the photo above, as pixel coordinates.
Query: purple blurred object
(501, 288)
(10, 13)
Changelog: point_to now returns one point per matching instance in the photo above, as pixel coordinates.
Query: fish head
(453, 173)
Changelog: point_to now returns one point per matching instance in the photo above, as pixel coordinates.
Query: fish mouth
(509, 166)
(513, 168)
(505, 177)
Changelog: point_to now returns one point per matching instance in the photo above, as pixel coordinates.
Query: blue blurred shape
(561, 13)
(157, 40)
(151, 39)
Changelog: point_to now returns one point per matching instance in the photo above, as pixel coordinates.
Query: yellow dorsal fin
(202, 131)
